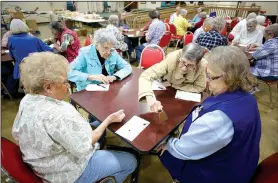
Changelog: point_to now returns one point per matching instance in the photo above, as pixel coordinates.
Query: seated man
(266, 56)
(99, 62)
(181, 23)
(249, 36)
(155, 31)
(182, 69)
(213, 38)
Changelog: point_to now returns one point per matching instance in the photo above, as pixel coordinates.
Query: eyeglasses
(212, 78)
(107, 49)
(187, 65)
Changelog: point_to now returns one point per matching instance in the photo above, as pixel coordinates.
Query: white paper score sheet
(95, 87)
(131, 129)
(196, 97)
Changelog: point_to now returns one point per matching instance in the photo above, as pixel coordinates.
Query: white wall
(149, 5)
(271, 8)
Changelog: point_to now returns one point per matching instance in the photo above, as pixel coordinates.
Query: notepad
(131, 129)
(96, 87)
(196, 97)
(157, 85)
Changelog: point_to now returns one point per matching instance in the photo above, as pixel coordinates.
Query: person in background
(175, 15)
(203, 29)
(21, 44)
(242, 24)
(261, 21)
(265, 58)
(113, 22)
(54, 138)
(213, 38)
(249, 36)
(4, 42)
(66, 41)
(182, 69)
(220, 140)
(99, 62)
(203, 16)
(122, 20)
(155, 31)
(181, 23)
(197, 17)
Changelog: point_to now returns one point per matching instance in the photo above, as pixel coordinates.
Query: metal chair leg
(6, 90)
(177, 44)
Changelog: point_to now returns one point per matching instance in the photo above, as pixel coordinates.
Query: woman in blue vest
(220, 139)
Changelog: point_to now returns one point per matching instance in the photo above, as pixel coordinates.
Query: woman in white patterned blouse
(54, 138)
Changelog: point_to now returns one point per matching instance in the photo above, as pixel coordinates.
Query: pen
(161, 88)
(101, 86)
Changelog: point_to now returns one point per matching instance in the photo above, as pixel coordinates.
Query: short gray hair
(252, 21)
(40, 67)
(183, 12)
(203, 14)
(17, 26)
(260, 19)
(232, 63)
(209, 20)
(251, 15)
(272, 29)
(218, 23)
(193, 52)
(114, 20)
(102, 36)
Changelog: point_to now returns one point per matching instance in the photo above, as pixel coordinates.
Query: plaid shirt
(266, 57)
(211, 39)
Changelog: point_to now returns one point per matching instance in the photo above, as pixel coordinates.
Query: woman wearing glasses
(220, 139)
(181, 69)
(99, 62)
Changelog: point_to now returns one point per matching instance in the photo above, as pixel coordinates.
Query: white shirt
(53, 137)
(206, 135)
(172, 18)
(247, 38)
(197, 33)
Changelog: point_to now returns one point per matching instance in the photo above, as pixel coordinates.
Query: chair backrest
(187, 38)
(151, 55)
(173, 29)
(267, 171)
(167, 27)
(87, 41)
(165, 39)
(11, 160)
(167, 20)
(234, 22)
(224, 31)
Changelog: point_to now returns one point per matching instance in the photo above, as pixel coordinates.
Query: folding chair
(151, 55)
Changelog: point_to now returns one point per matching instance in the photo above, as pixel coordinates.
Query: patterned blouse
(53, 138)
(120, 38)
(211, 39)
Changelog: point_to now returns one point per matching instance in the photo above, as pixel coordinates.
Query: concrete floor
(151, 170)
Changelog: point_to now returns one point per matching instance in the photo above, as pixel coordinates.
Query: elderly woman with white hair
(182, 69)
(4, 42)
(99, 62)
(220, 140)
(213, 38)
(197, 17)
(250, 36)
(21, 44)
(203, 29)
(181, 23)
(261, 21)
(54, 138)
(112, 26)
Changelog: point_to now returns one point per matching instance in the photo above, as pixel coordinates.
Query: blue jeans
(138, 51)
(105, 163)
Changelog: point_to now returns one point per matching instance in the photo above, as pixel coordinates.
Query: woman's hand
(99, 77)
(154, 105)
(111, 78)
(116, 117)
(251, 47)
(162, 148)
